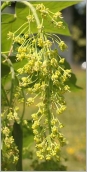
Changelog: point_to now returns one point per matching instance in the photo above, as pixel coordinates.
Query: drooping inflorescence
(44, 76)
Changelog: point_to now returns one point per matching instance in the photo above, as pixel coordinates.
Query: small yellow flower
(40, 27)
(5, 131)
(54, 129)
(62, 60)
(54, 62)
(10, 116)
(48, 157)
(57, 15)
(30, 18)
(35, 131)
(15, 159)
(62, 46)
(8, 141)
(25, 122)
(10, 35)
(59, 24)
(53, 153)
(35, 116)
(30, 101)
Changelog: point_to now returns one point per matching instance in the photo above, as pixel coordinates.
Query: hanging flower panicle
(44, 76)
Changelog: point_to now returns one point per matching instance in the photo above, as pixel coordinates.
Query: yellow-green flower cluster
(13, 116)
(30, 18)
(10, 153)
(62, 46)
(42, 9)
(19, 94)
(44, 76)
(57, 15)
(54, 18)
(47, 136)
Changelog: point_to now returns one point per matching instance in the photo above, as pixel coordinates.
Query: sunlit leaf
(72, 81)
(11, 23)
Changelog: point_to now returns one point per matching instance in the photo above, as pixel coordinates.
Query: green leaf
(5, 44)
(12, 22)
(6, 79)
(71, 82)
(62, 31)
(8, 18)
(4, 70)
(20, 64)
(7, 23)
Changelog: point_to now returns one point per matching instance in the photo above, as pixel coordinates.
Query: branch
(24, 100)
(33, 11)
(13, 75)
(10, 65)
